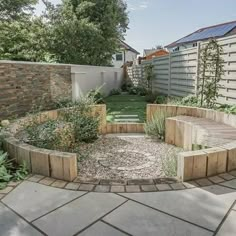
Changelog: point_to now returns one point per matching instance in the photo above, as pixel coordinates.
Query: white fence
(85, 78)
(176, 74)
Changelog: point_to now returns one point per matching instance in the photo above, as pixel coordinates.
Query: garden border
(63, 166)
(51, 163)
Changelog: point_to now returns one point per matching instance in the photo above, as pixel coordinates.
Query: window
(176, 49)
(194, 44)
(119, 57)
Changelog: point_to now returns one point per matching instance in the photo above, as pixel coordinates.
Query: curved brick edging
(133, 186)
(158, 185)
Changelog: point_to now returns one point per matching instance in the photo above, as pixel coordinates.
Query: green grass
(126, 105)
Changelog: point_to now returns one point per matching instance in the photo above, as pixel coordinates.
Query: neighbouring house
(149, 54)
(215, 31)
(126, 54)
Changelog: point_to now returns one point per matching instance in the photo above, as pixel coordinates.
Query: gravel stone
(124, 157)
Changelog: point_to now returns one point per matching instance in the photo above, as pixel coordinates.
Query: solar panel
(212, 32)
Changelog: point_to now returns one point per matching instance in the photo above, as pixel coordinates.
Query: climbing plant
(211, 70)
(148, 69)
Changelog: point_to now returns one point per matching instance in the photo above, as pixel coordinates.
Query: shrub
(138, 91)
(151, 97)
(142, 91)
(126, 86)
(169, 163)
(230, 109)
(115, 92)
(190, 101)
(161, 99)
(86, 128)
(10, 172)
(133, 91)
(65, 102)
(96, 96)
(51, 135)
(156, 127)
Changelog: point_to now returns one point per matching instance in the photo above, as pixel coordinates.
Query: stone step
(126, 120)
(126, 116)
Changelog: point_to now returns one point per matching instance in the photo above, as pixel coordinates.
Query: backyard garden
(76, 128)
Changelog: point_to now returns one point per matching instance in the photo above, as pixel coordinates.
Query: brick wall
(27, 85)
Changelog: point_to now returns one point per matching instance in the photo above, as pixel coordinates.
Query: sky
(161, 22)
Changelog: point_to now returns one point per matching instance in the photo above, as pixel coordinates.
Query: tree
(76, 31)
(14, 10)
(210, 74)
(87, 31)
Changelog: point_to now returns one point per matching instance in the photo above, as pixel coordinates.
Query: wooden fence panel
(177, 74)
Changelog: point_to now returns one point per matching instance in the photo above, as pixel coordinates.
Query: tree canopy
(76, 31)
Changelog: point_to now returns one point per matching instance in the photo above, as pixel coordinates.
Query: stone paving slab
(101, 229)
(229, 226)
(191, 204)
(139, 220)
(230, 184)
(12, 225)
(32, 200)
(78, 214)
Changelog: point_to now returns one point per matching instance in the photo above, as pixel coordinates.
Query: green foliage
(9, 172)
(126, 86)
(211, 70)
(169, 164)
(151, 97)
(17, 9)
(230, 109)
(190, 100)
(86, 128)
(21, 172)
(137, 91)
(115, 92)
(80, 32)
(24, 40)
(96, 96)
(65, 102)
(51, 135)
(148, 70)
(156, 127)
(161, 99)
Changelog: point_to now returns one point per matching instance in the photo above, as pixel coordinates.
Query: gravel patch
(125, 157)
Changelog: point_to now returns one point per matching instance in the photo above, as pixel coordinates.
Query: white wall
(85, 78)
(127, 56)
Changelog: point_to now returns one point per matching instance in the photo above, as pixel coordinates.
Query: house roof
(147, 52)
(157, 52)
(214, 31)
(128, 47)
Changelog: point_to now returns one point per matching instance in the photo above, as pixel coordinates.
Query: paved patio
(36, 209)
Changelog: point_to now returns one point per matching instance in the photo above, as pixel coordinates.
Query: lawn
(128, 105)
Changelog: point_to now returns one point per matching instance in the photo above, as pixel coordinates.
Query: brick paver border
(122, 186)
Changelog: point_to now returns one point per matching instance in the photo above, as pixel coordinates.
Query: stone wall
(24, 86)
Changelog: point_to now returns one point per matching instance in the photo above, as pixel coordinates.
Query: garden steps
(126, 118)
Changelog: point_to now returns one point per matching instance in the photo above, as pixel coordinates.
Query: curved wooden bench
(214, 131)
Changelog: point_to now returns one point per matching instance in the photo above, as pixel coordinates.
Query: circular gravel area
(125, 157)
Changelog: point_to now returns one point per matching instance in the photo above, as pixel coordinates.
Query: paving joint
(153, 208)
(100, 218)
(224, 219)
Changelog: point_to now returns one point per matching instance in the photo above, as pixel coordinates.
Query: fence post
(169, 79)
(197, 67)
